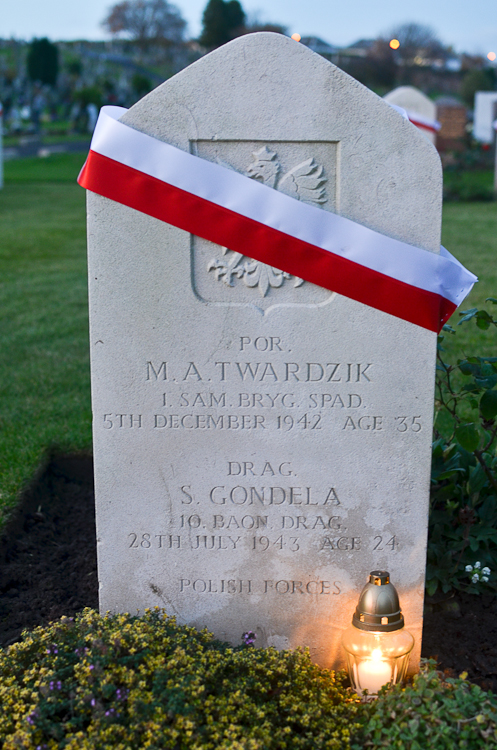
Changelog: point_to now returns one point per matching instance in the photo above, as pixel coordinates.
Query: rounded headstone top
(267, 89)
(412, 100)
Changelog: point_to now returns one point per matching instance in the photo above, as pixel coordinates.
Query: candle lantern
(376, 644)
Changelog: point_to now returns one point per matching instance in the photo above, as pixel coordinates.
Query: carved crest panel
(306, 172)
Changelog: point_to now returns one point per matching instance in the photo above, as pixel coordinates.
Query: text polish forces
(267, 587)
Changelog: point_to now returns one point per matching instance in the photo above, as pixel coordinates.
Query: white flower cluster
(478, 573)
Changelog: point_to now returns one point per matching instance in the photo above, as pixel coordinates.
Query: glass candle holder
(376, 645)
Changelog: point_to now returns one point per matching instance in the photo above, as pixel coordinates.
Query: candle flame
(376, 655)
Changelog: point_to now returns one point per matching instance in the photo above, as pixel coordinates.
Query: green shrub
(430, 713)
(463, 512)
(476, 80)
(121, 682)
(144, 682)
(461, 184)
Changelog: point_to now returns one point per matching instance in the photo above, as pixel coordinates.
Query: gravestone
(261, 444)
(420, 109)
(453, 119)
(484, 116)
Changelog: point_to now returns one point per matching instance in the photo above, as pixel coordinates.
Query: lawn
(44, 362)
(470, 233)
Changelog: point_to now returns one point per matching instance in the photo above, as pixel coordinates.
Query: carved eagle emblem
(306, 183)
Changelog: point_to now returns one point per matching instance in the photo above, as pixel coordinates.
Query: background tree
(378, 69)
(141, 85)
(476, 80)
(222, 21)
(254, 23)
(74, 66)
(146, 22)
(417, 42)
(43, 61)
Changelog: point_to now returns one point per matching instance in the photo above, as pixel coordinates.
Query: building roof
(319, 45)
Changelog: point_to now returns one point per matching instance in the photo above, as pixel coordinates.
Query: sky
(469, 26)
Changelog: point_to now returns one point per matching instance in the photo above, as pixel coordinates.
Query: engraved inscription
(255, 506)
(367, 423)
(199, 395)
(263, 542)
(240, 586)
(266, 371)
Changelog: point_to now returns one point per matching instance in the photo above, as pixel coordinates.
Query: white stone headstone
(484, 116)
(416, 103)
(262, 445)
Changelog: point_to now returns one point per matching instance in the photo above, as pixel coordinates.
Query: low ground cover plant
(468, 174)
(119, 682)
(462, 546)
(145, 682)
(430, 713)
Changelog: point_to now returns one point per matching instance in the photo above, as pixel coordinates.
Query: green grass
(470, 233)
(53, 168)
(44, 352)
(47, 137)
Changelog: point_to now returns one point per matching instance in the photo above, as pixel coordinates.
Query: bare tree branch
(146, 21)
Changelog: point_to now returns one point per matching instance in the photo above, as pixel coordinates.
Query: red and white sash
(425, 123)
(229, 209)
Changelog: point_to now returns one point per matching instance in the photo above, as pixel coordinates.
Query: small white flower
(468, 568)
(477, 565)
(475, 578)
(484, 578)
(486, 571)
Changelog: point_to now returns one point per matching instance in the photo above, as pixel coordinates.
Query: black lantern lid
(378, 607)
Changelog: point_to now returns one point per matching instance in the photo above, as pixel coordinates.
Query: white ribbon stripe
(441, 274)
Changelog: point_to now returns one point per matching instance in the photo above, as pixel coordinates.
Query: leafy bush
(466, 184)
(119, 682)
(476, 80)
(469, 174)
(430, 713)
(463, 514)
(145, 682)
(89, 95)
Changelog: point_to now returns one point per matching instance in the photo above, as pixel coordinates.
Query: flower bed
(117, 682)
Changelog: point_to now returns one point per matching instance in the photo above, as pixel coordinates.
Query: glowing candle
(374, 673)
(376, 644)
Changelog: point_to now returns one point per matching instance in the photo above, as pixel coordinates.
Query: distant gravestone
(453, 118)
(484, 116)
(421, 110)
(261, 444)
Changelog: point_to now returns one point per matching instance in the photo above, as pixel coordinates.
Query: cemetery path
(48, 568)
